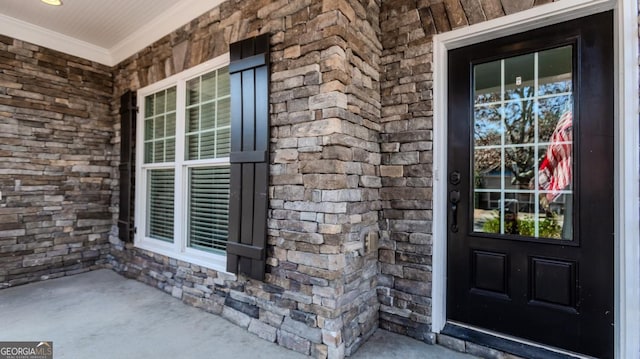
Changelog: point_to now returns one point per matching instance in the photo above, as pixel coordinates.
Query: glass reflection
(549, 112)
(487, 167)
(519, 167)
(519, 119)
(555, 71)
(523, 144)
(488, 125)
(487, 82)
(519, 77)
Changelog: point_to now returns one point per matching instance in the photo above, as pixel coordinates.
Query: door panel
(530, 246)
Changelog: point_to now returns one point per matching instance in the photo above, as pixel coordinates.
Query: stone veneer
(319, 294)
(351, 135)
(404, 282)
(55, 163)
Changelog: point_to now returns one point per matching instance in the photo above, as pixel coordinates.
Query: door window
(523, 144)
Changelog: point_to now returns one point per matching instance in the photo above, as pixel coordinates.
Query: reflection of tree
(519, 128)
(487, 132)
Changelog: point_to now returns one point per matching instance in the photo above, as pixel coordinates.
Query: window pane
(519, 77)
(207, 144)
(208, 86)
(487, 125)
(208, 208)
(158, 152)
(160, 126)
(223, 143)
(523, 144)
(519, 121)
(549, 112)
(171, 99)
(555, 165)
(224, 87)
(149, 106)
(160, 102)
(486, 207)
(193, 91)
(171, 124)
(148, 152)
(487, 82)
(148, 129)
(224, 112)
(192, 147)
(555, 71)
(193, 119)
(520, 167)
(170, 150)
(488, 170)
(208, 117)
(160, 205)
(557, 220)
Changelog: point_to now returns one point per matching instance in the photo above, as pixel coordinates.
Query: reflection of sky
(492, 95)
(488, 126)
(555, 87)
(549, 113)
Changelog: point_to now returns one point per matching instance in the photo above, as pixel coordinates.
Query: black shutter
(249, 70)
(127, 120)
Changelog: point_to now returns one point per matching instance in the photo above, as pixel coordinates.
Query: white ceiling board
(19, 29)
(179, 14)
(105, 31)
(100, 22)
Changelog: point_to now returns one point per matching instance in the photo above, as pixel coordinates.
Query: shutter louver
(128, 111)
(249, 72)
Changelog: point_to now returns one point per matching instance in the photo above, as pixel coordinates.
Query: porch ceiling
(103, 31)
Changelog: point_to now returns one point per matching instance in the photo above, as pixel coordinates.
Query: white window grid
(503, 146)
(178, 249)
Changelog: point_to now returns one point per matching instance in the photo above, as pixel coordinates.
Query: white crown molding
(171, 19)
(40, 36)
(165, 23)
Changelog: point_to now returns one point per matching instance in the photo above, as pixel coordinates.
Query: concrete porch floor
(101, 314)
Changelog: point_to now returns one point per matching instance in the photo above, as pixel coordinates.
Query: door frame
(627, 143)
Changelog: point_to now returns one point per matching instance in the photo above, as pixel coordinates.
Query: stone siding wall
(350, 209)
(55, 163)
(319, 294)
(404, 283)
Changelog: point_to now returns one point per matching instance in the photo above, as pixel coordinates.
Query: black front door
(530, 162)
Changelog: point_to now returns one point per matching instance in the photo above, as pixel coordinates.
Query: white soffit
(106, 32)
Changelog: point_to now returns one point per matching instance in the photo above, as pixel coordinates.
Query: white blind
(209, 207)
(161, 204)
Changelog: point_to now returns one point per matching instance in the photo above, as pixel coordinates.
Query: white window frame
(627, 141)
(178, 249)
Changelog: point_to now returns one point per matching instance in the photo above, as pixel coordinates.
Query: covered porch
(100, 314)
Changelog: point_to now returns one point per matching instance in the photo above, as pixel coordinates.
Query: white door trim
(627, 143)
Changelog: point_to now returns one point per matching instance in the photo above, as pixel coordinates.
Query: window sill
(207, 260)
